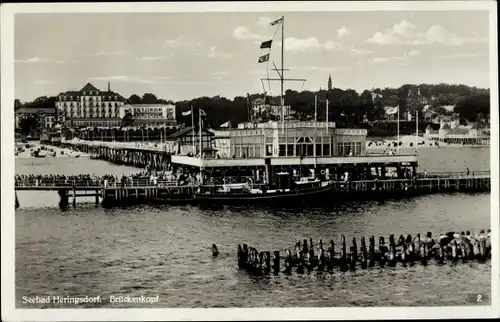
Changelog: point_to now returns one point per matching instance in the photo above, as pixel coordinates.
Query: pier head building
(256, 152)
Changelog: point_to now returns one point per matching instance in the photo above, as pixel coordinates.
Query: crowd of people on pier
(56, 180)
(143, 178)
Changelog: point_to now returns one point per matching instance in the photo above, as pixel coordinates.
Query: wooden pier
(123, 154)
(305, 256)
(169, 192)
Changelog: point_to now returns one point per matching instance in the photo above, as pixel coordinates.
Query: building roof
(69, 93)
(36, 110)
(88, 87)
(459, 131)
(445, 127)
(449, 108)
(478, 125)
(185, 132)
(375, 95)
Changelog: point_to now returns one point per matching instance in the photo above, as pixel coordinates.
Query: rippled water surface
(166, 251)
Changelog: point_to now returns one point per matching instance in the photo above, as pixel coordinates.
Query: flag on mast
(266, 44)
(392, 110)
(275, 22)
(264, 58)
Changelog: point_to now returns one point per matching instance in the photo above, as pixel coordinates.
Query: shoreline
(387, 143)
(68, 153)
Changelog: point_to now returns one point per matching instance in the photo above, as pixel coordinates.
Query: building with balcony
(46, 118)
(290, 139)
(294, 146)
(476, 134)
(152, 115)
(89, 107)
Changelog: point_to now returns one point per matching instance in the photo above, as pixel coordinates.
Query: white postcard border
(10, 313)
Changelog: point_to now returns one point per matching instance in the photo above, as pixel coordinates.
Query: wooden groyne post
(405, 251)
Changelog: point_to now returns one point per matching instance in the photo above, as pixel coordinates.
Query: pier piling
(405, 251)
(354, 254)
(74, 197)
(276, 262)
(267, 258)
(343, 256)
(364, 254)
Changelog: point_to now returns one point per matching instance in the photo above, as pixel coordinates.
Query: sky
(179, 56)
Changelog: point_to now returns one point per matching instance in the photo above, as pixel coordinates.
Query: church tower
(329, 82)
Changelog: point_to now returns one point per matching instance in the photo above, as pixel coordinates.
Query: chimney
(109, 86)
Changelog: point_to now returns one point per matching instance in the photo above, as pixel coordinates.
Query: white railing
(142, 182)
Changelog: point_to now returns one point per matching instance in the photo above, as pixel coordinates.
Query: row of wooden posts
(407, 251)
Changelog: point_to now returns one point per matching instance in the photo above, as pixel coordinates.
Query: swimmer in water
(215, 251)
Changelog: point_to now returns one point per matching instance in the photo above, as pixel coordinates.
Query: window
(318, 150)
(357, 150)
(340, 149)
(309, 149)
(289, 148)
(269, 149)
(326, 149)
(282, 150)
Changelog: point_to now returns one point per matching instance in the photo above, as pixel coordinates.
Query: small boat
(305, 182)
(38, 154)
(284, 191)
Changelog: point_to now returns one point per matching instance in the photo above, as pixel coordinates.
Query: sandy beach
(382, 144)
(60, 152)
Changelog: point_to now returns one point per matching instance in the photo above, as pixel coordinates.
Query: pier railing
(454, 174)
(253, 182)
(97, 184)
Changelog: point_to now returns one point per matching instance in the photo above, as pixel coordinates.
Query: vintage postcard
(249, 160)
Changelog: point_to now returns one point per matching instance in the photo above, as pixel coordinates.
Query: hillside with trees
(346, 107)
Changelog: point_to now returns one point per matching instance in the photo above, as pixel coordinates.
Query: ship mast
(282, 69)
(280, 72)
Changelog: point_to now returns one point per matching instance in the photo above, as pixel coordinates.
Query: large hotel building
(91, 107)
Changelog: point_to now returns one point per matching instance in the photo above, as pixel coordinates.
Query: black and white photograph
(249, 160)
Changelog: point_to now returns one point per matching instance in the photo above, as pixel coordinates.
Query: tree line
(346, 107)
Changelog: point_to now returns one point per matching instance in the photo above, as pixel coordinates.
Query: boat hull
(295, 197)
